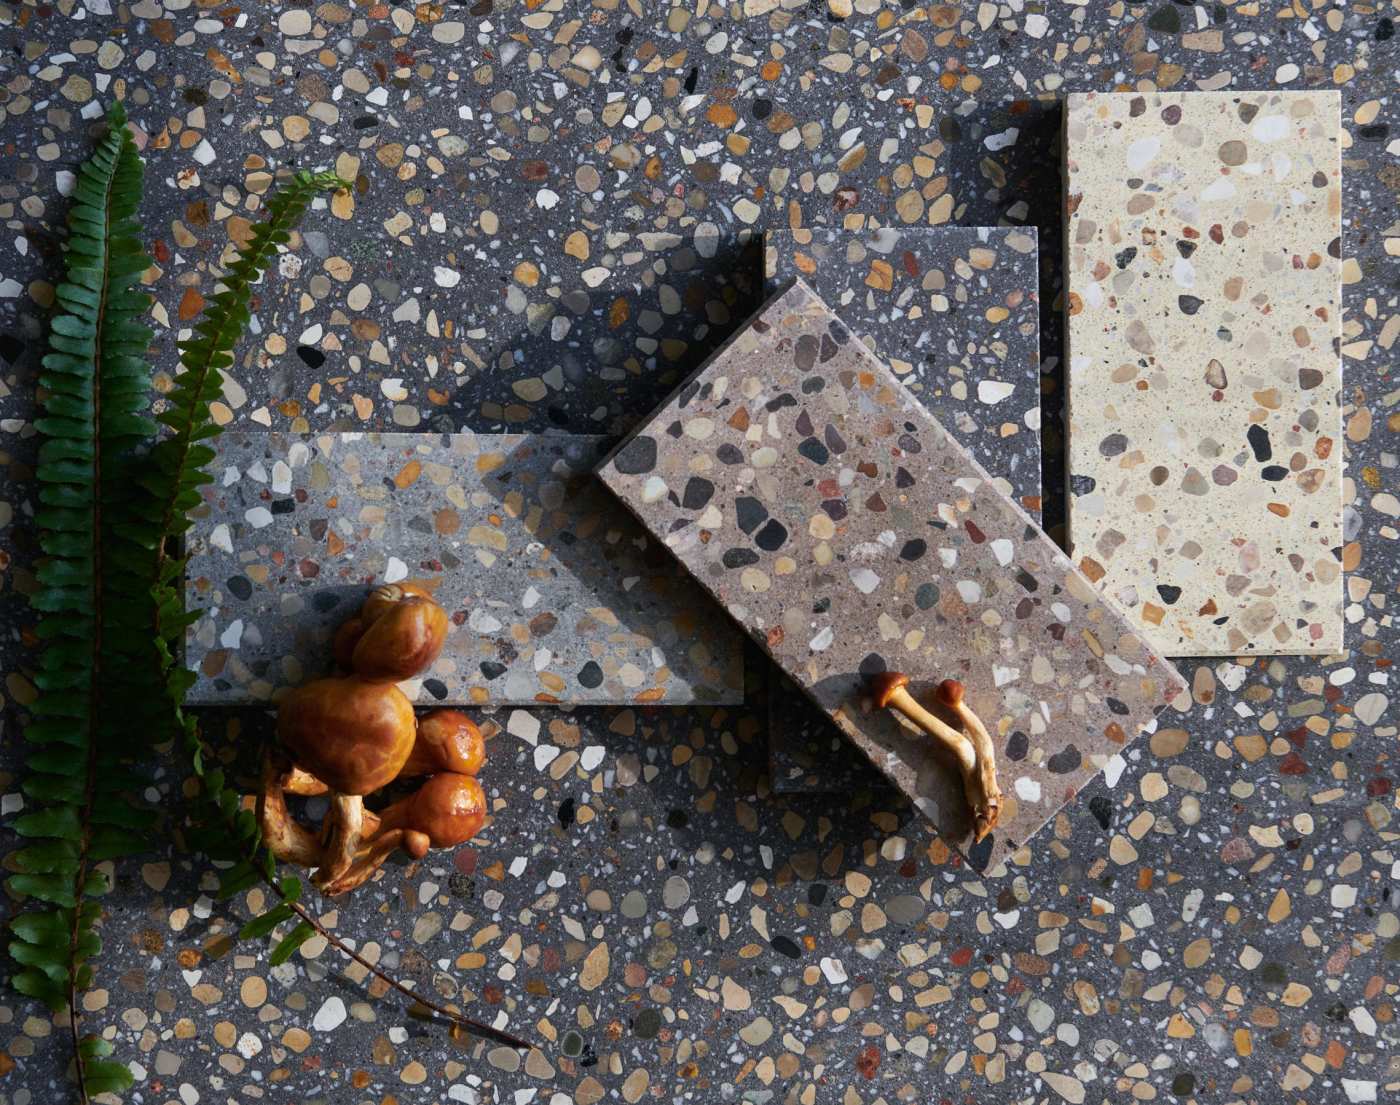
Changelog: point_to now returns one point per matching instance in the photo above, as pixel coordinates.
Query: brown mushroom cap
(950, 692)
(404, 633)
(344, 642)
(448, 740)
(448, 808)
(884, 685)
(352, 734)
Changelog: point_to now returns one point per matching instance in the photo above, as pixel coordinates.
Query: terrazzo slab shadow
(848, 533)
(555, 593)
(954, 312)
(1204, 262)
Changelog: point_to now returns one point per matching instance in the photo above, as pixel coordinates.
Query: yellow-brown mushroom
(348, 736)
(972, 753)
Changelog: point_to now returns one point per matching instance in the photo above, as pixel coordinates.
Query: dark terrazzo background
(1214, 922)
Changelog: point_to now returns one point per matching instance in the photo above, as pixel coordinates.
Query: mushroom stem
(372, 853)
(979, 785)
(958, 746)
(288, 840)
(950, 695)
(297, 781)
(346, 830)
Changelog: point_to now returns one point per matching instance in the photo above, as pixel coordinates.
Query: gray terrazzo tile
(554, 592)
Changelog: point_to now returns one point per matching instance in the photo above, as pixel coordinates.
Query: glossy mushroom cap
(950, 692)
(352, 734)
(884, 685)
(344, 642)
(448, 808)
(404, 631)
(448, 740)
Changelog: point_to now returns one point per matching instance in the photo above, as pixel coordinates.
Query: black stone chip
(772, 536)
(1259, 442)
(749, 512)
(637, 456)
(698, 492)
(814, 450)
(590, 675)
(1064, 761)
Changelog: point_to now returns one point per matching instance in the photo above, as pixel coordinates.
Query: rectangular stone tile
(1204, 303)
(556, 594)
(848, 532)
(954, 312)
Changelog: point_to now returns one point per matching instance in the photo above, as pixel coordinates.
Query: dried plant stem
(459, 1020)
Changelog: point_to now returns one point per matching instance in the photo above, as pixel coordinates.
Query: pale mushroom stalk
(345, 830)
(372, 852)
(889, 690)
(950, 695)
(289, 841)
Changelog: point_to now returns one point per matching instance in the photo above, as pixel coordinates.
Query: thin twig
(458, 1019)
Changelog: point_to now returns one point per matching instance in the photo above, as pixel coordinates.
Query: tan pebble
(253, 991)
(576, 245)
(1196, 952)
(635, 1085)
(595, 967)
(156, 875)
(1121, 850)
(296, 127)
(734, 996)
(590, 1091)
(296, 1039)
(225, 1034)
(415, 1074)
(1166, 743)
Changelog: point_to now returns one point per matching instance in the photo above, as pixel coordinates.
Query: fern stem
(94, 681)
(477, 1028)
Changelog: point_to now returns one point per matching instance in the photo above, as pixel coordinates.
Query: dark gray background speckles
(1214, 922)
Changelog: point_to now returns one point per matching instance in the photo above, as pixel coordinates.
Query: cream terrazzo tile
(1204, 247)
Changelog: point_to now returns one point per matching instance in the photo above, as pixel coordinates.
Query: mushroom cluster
(347, 736)
(969, 744)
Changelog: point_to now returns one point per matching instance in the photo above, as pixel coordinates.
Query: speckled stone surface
(953, 312)
(555, 594)
(1214, 919)
(1204, 296)
(847, 531)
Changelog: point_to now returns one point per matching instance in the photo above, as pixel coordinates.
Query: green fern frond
(96, 660)
(174, 478)
(179, 458)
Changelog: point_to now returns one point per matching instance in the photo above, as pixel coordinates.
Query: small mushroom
(988, 806)
(448, 740)
(355, 733)
(402, 630)
(347, 736)
(889, 692)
